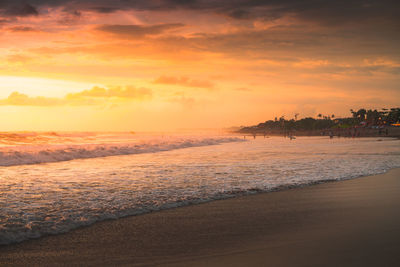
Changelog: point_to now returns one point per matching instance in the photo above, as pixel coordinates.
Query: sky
(164, 65)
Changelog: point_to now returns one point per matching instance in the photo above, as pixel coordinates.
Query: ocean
(51, 183)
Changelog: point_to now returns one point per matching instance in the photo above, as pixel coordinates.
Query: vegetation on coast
(361, 118)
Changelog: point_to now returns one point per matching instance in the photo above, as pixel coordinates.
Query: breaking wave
(28, 154)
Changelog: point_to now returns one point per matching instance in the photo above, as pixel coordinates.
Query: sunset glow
(168, 65)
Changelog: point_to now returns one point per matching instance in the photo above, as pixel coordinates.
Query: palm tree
(354, 113)
(361, 113)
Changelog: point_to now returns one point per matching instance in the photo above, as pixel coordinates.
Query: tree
(361, 114)
(353, 113)
(372, 116)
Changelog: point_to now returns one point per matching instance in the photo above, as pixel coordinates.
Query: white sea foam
(27, 148)
(42, 199)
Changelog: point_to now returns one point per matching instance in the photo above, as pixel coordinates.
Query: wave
(74, 222)
(46, 154)
(60, 197)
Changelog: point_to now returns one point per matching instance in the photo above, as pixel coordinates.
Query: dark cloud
(105, 6)
(324, 12)
(22, 29)
(105, 9)
(239, 14)
(70, 16)
(320, 29)
(275, 47)
(295, 41)
(18, 10)
(137, 31)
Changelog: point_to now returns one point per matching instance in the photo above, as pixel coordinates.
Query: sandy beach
(348, 223)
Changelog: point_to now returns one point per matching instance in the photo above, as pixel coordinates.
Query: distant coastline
(352, 132)
(363, 123)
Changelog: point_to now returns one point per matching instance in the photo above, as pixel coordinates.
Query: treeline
(375, 117)
(359, 118)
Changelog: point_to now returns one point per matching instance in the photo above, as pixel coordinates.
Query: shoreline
(249, 229)
(336, 134)
(219, 197)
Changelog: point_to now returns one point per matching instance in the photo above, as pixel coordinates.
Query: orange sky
(166, 65)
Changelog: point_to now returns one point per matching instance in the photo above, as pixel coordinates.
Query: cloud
(320, 29)
(18, 99)
(18, 58)
(184, 81)
(69, 17)
(105, 9)
(96, 95)
(129, 92)
(324, 12)
(10, 9)
(22, 29)
(137, 31)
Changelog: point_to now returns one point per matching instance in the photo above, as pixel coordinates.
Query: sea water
(51, 183)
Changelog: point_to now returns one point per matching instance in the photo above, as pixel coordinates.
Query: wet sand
(347, 223)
